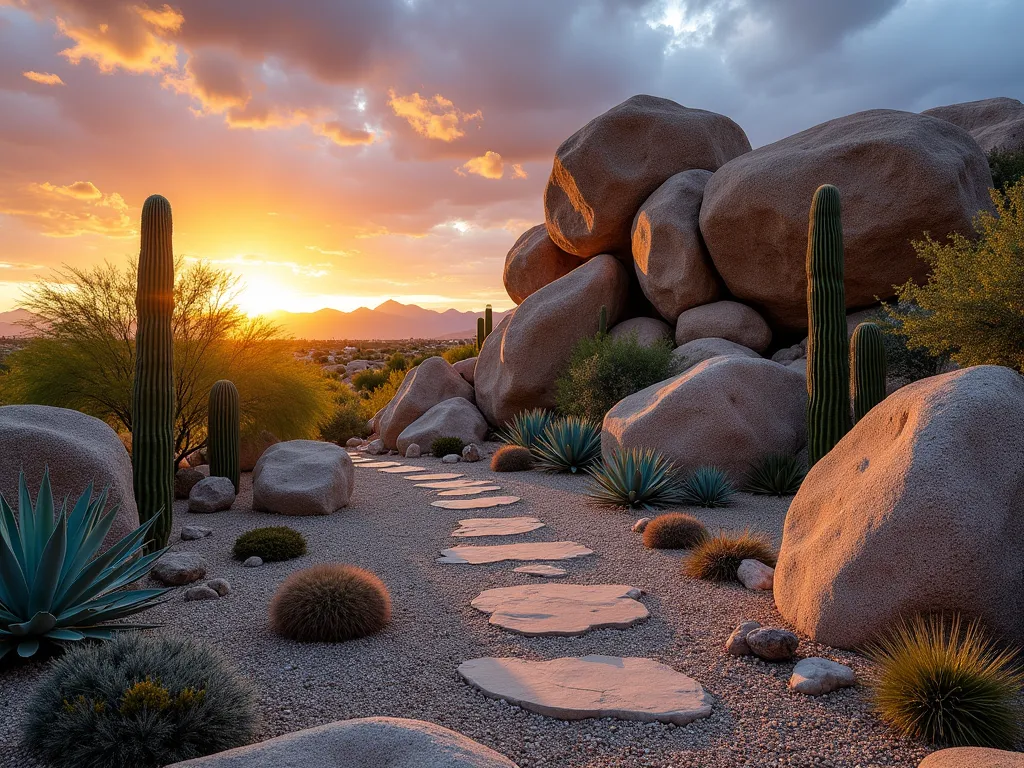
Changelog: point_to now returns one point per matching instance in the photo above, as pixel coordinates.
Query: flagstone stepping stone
(575, 688)
(548, 571)
(482, 503)
(403, 470)
(453, 483)
(497, 526)
(471, 491)
(562, 610)
(529, 550)
(438, 476)
(378, 464)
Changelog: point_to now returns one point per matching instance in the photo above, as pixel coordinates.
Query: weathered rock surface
(727, 320)
(194, 532)
(899, 174)
(454, 417)
(202, 592)
(466, 369)
(542, 571)
(77, 449)
(376, 447)
(303, 477)
(484, 502)
(220, 586)
(647, 330)
(431, 382)
(753, 574)
(496, 526)
(253, 562)
(177, 568)
(535, 261)
(735, 410)
(563, 610)
(451, 458)
(211, 494)
(736, 645)
(669, 256)
(973, 757)
(470, 491)
(917, 509)
(471, 452)
(521, 359)
(994, 123)
(185, 480)
(815, 676)
(354, 442)
(641, 525)
(536, 550)
(697, 351)
(592, 686)
(604, 172)
(252, 448)
(413, 451)
(772, 644)
(372, 742)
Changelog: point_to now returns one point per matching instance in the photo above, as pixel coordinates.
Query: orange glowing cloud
(434, 118)
(43, 78)
(343, 135)
(489, 165)
(69, 211)
(518, 172)
(213, 80)
(132, 39)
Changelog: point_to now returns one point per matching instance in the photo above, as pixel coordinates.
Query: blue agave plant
(526, 427)
(569, 444)
(54, 586)
(708, 487)
(635, 478)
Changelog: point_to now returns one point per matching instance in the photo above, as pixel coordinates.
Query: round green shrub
(512, 458)
(330, 604)
(442, 446)
(675, 530)
(272, 544)
(138, 702)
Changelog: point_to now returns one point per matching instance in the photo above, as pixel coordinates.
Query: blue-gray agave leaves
(635, 478)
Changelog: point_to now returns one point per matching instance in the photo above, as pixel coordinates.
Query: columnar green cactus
(153, 389)
(488, 321)
(223, 432)
(481, 333)
(602, 323)
(828, 347)
(867, 369)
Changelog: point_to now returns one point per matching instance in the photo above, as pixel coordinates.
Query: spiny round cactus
(224, 432)
(512, 458)
(676, 530)
(330, 604)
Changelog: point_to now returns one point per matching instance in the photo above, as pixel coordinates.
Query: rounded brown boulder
(727, 320)
(899, 174)
(672, 265)
(973, 757)
(917, 509)
(725, 412)
(520, 360)
(604, 172)
(426, 385)
(646, 330)
(533, 262)
(994, 123)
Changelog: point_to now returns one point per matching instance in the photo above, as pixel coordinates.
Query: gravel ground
(409, 669)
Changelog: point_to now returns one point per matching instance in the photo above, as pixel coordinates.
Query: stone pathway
(497, 526)
(403, 470)
(541, 570)
(451, 483)
(473, 491)
(534, 550)
(438, 476)
(377, 464)
(485, 502)
(563, 610)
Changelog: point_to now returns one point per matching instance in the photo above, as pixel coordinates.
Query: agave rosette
(54, 587)
(708, 487)
(569, 444)
(526, 427)
(635, 477)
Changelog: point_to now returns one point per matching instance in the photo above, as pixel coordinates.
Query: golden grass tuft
(718, 557)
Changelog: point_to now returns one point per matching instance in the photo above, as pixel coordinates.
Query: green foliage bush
(526, 427)
(397, 362)
(462, 352)
(371, 378)
(330, 604)
(718, 558)
(906, 363)
(442, 446)
(635, 478)
(1007, 167)
(603, 370)
(675, 530)
(568, 444)
(138, 702)
(512, 458)
(707, 487)
(947, 684)
(970, 309)
(348, 418)
(382, 395)
(775, 474)
(271, 544)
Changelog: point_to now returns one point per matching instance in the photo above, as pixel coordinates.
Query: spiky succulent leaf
(526, 427)
(708, 487)
(635, 478)
(776, 474)
(569, 444)
(54, 584)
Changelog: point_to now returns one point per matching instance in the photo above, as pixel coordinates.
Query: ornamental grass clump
(139, 702)
(675, 530)
(271, 544)
(443, 446)
(947, 684)
(526, 427)
(707, 487)
(569, 444)
(512, 458)
(635, 478)
(775, 474)
(330, 604)
(718, 558)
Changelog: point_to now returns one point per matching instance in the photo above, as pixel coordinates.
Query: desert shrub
(707, 487)
(462, 352)
(371, 378)
(970, 308)
(329, 604)
(382, 395)
(603, 370)
(512, 458)
(137, 702)
(568, 444)
(946, 684)
(1007, 167)
(442, 446)
(674, 531)
(526, 427)
(775, 474)
(348, 418)
(271, 544)
(397, 362)
(635, 478)
(717, 558)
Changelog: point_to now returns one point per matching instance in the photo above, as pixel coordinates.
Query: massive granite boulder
(918, 509)
(727, 320)
(520, 360)
(726, 412)
(604, 172)
(454, 417)
(646, 330)
(994, 123)
(899, 174)
(671, 262)
(429, 383)
(533, 262)
(691, 353)
(302, 477)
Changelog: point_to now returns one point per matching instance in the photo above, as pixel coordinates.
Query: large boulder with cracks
(454, 417)
(533, 262)
(429, 383)
(302, 477)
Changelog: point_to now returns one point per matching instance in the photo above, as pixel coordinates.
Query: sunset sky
(337, 153)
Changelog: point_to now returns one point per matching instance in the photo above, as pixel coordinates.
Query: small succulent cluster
(512, 458)
(776, 474)
(330, 603)
(442, 446)
(707, 487)
(271, 544)
(718, 558)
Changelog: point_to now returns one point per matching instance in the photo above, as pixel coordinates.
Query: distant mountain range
(9, 322)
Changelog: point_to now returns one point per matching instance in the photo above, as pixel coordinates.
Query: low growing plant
(526, 427)
(635, 478)
(330, 604)
(775, 474)
(271, 544)
(443, 446)
(947, 684)
(707, 487)
(459, 353)
(568, 444)
(139, 702)
(511, 458)
(718, 558)
(675, 530)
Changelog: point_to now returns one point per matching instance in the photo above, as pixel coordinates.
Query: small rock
(193, 532)
(451, 458)
(641, 524)
(754, 574)
(201, 593)
(736, 645)
(545, 571)
(471, 453)
(211, 494)
(772, 644)
(220, 586)
(253, 562)
(353, 442)
(413, 451)
(815, 676)
(376, 447)
(184, 480)
(177, 568)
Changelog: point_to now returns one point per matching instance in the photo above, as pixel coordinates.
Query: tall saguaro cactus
(153, 388)
(481, 333)
(828, 347)
(488, 321)
(867, 369)
(602, 321)
(223, 432)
